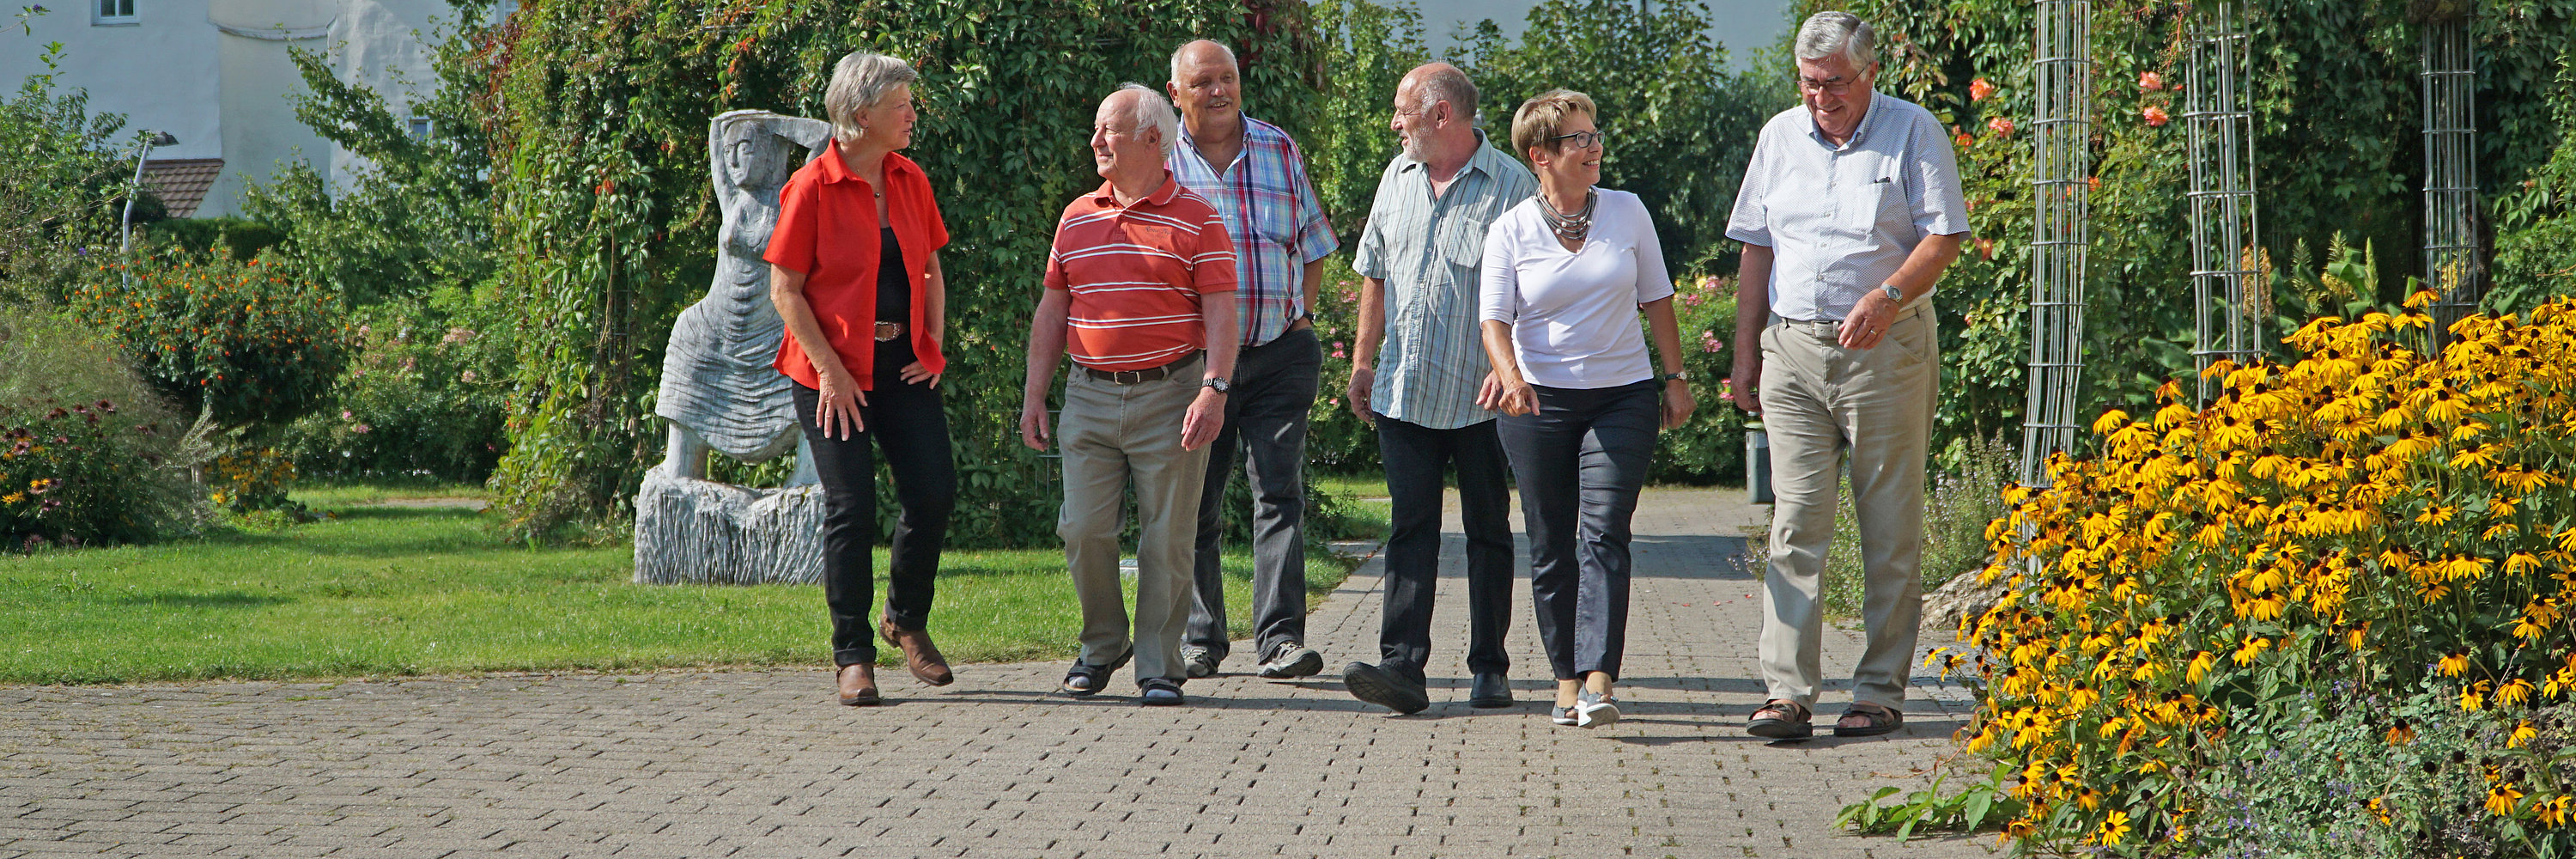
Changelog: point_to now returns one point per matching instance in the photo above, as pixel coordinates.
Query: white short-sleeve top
(1574, 313)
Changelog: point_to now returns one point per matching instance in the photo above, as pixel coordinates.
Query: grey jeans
(1820, 400)
(1265, 418)
(1115, 436)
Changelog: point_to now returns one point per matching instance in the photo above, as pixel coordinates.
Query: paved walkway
(757, 763)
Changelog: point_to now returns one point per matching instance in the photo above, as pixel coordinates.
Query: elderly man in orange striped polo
(1139, 290)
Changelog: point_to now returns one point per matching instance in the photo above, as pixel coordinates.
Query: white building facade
(216, 75)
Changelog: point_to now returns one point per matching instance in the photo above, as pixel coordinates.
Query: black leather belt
(1130, 377)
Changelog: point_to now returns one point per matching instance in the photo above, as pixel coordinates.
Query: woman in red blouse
(854, 270)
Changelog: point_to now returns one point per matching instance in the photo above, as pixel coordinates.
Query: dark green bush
(243, 238)
(89, 454)
(234, 338)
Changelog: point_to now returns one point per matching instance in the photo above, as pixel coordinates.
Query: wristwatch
(1217, 384)
(1893, 294)
(1676, 376)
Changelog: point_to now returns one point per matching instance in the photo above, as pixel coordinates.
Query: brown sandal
(919, 655)
(1875, 720)
(1780, 719)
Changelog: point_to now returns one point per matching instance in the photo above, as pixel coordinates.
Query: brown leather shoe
(918, 653)
(859, 685)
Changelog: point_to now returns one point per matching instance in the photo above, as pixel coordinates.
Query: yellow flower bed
(2368, 515)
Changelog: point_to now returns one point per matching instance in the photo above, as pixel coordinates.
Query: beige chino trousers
(1115, 435)
(1820, 401)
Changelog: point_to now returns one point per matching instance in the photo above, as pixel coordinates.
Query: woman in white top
(1566, 275)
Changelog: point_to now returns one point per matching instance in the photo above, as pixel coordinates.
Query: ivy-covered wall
(607, 226)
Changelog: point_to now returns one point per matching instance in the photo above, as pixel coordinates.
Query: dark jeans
(1415, 456)
(1580, 462)
(1265, 418)
(910, 423)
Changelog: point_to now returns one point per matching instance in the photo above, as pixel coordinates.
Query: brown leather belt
(1130, 377)
(888, 331)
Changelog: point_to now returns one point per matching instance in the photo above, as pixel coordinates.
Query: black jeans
(1580, 462)
(911, 424)
(1415, 456)
(1265, 418)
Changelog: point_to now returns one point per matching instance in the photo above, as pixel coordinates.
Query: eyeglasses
(1834, 85)
(1584, 139)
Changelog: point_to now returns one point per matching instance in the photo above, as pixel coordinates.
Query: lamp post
(125, 231)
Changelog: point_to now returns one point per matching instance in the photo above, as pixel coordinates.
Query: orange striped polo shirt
(1137, 274)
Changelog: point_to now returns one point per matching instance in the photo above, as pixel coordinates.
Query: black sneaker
(1385, 688)
(1291, 659)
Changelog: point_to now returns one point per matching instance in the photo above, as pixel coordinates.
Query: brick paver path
(756, 763)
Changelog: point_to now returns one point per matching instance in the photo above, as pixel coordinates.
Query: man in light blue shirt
(1416, 376)
(1849, 212)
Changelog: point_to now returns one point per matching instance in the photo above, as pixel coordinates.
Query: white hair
(1828, 33)
(1153, 111)
(860, 81)
(1184, 49)
(1447, 83)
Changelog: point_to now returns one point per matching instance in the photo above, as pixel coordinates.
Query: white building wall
(216, 74)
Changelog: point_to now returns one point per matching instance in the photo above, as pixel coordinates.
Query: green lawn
(409, 590)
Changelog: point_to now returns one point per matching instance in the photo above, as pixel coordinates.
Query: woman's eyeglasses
(1584, 139)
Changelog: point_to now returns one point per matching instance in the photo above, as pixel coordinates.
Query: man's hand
(1746, 378)
(1033, 424)
(1487, 391)
(1363, 381)
(1205, 417)
(1867, 323)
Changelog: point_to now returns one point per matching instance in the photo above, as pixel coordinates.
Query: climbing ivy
(607, 224)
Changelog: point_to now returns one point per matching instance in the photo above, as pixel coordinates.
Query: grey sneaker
(1291, 659)
(1198, 661)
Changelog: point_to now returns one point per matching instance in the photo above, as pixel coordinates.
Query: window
(422, 128)
(114, 12)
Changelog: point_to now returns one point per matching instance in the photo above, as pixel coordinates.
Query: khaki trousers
(1819, 401)
(1113, 436)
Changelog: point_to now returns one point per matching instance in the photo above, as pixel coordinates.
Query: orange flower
(2155, 116)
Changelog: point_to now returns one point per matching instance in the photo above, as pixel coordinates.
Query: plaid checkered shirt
(1277, 224)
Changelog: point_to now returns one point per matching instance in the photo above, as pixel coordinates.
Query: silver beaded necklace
(1573, 227)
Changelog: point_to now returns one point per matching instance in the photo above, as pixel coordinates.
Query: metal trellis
(2451, 265)
(2061, 169)
(2230, 295)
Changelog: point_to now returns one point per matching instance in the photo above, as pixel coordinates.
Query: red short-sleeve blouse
(827, 229)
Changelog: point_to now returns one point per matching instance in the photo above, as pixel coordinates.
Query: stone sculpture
(720, 394)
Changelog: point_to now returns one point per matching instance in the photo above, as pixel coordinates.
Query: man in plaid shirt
(1255, 177)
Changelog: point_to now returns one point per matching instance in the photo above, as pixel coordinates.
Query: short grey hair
(1450, 85)
(1828, 33)
(1185, 48)
(1152, 110)
(861, 81)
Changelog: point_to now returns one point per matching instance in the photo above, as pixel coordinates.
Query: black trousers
(1265, 437)
(911, 424)
(1415, 457)
(1580, 462)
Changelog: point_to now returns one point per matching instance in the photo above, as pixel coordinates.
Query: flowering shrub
(86, 454)
(247, 478)
(2369, 515)
(423, 394)
(231, 336)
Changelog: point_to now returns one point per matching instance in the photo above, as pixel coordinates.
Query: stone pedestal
(692, 531)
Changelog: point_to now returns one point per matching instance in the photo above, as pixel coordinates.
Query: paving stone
(761, 763)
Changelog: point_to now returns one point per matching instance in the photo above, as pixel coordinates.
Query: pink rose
(345, 415)
(363, 429)
(2156, 116)
(2000, 125)
(2150, 81)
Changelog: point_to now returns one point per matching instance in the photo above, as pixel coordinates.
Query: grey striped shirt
(1428, 252)
(1841, 220)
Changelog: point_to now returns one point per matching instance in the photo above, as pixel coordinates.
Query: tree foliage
(68, 175)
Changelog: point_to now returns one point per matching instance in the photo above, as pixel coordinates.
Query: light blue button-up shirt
(1840, 220)
(1429, 251)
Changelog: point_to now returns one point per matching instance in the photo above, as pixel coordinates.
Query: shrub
(229, 337)
(422, 396)
(2370, 515)
(68, 173)
(88, 453)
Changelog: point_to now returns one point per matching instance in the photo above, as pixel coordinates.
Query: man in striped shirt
(1138, 290)
(1254, 176)
(1416, 376)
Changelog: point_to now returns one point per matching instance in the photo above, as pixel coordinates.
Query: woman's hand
(839, 404)
(915, 374)
(1512, 396)
(1678, 402)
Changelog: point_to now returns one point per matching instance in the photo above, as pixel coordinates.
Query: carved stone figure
(720, 393)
